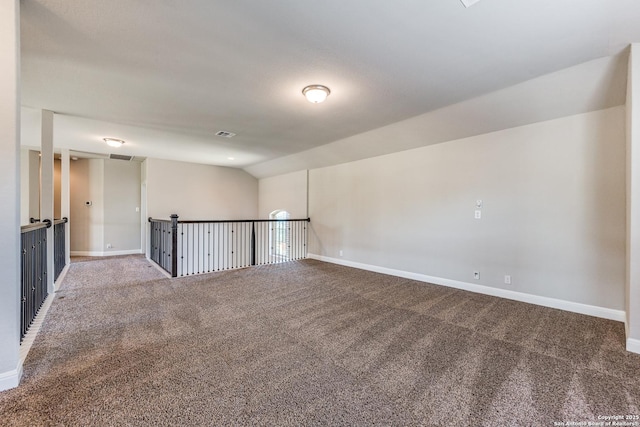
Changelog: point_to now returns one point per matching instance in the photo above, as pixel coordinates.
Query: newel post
(253, 243)
(174, 245)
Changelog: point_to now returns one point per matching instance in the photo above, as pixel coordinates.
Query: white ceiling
(165, 75)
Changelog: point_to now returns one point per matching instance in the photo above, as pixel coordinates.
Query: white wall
(24, 186)
(113, 188)
(10, 367)
(121, 206)
(632, 284)
(197, 192)
(553, 214)
(591, 86)
(30, 128)
(29, 185)
(86, 228)
(284, 192)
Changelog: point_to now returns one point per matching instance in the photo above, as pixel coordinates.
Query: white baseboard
(574, 307)
(633, 345)
(160, 269)
(30, 337)
(11, 379)
(63, 273)
(108, 253)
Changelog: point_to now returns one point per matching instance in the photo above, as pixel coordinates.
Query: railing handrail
(35, 226)
(44, 224)
(218, 221)
(158, 220)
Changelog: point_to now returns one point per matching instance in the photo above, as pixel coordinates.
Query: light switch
(478, 204)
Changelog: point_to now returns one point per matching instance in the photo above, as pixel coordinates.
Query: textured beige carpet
(311, 343)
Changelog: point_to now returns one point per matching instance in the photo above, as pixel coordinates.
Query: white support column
(65, 199)
(46, 189)
(144, 229)
(34, 184)
(24, 186)
(633, 201)
(10, 367)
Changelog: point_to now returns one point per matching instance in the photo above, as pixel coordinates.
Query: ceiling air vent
(120, 157)
(225, 134)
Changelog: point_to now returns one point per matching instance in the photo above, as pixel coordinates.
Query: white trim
(633, 345)
(110, 253)
(61, 277)
(626, 327)
(575, 307)
(11, 379)
(160, 269)
(33, 330)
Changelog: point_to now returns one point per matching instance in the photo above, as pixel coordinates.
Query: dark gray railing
(183, 248)
(34, 272)
(59, 252)
(163, 237)
(34, 266)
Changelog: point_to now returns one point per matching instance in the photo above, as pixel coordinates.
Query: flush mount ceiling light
(316, 93)
(113, 142)
(469, 3)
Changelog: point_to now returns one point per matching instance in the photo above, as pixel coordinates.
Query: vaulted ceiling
(166, 75)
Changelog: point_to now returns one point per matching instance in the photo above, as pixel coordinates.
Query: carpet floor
(311, 343)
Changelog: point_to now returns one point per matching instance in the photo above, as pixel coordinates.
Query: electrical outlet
(340, 253)
(478, 214)
(507, 279)
(476, 275)
(108, 245)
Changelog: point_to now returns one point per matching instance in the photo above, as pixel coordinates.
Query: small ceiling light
(469, 3)
(112, 142)
(316, 93)
(231, 158)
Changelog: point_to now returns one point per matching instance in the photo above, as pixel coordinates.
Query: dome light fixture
(113, 142)
(316, 93)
